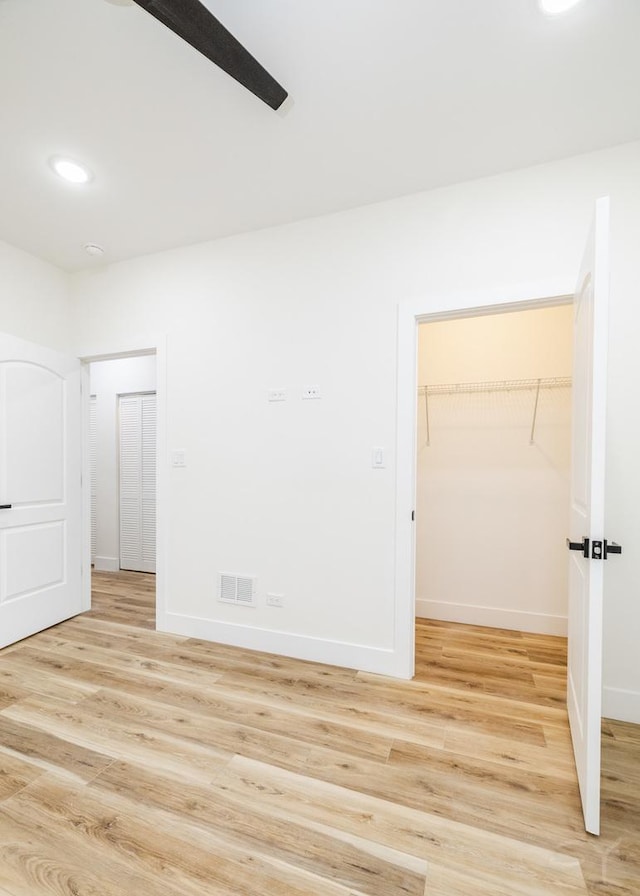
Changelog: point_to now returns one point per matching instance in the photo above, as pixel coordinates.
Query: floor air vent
(240, 590)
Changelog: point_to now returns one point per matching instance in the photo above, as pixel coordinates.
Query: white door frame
(517, 297)
(151, 345)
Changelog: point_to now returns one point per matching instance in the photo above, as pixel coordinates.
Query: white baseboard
(620, 704)
(302, 647)
(106, 564)
(517, 620)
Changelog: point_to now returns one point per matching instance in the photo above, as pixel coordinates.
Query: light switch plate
(178, 459)
(377, 458)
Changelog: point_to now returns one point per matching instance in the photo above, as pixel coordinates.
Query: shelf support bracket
(426, 412)
(535, 414)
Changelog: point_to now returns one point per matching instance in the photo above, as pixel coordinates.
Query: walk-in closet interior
(493, 464)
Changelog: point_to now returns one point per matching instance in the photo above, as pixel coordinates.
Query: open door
(40, 489)
(589, 550)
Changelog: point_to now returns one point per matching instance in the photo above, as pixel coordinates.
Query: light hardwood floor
(133, 762)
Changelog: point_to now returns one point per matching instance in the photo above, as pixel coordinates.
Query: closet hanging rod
(554, 382)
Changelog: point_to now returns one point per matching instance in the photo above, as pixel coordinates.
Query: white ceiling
(389, 97)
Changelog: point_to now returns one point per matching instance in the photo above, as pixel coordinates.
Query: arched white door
(40, 489)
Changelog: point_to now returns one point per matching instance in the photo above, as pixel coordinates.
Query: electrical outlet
(311, 392)
(275, 600)
(277, 395)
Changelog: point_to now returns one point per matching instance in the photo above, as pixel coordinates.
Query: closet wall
(492, 508)
(108, 380)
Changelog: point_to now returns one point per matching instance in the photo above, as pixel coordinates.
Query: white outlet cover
(311, 392)
(275, 600)
(277, 394)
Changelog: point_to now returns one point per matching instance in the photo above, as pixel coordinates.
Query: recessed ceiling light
(72, 171)
(555, 7)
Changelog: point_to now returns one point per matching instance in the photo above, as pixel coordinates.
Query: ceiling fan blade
(193, 22)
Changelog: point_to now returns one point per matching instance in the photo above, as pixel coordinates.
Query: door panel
(40, 473)
(584, 688)
(22, 576)
(137, 420)
(93, 472)
(33, 404)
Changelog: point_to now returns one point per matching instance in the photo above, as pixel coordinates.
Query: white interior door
(40, 489)
(93, 472)
(137, 419)
(584, 693)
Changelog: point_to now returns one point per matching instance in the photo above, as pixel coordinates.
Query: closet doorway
(122, 456)
(493, 469)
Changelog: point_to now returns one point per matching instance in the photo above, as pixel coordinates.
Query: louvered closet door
(137, 414)
(93, 444)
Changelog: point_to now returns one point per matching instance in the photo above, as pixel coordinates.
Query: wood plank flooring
(138, 762)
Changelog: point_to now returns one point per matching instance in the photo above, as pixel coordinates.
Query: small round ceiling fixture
(71, 171)
(556, 7)
(94, 250)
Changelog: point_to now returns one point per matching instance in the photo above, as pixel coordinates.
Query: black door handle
(600, 550)
(5, 506)
(579, 546)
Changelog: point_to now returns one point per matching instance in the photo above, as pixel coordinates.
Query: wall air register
(236, 589)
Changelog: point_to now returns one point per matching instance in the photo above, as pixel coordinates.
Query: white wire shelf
(554, 382)
(531, 385)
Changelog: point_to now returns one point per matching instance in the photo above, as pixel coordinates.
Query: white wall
(515, 345)
(109, 379)
(286, 491)
(34, 299)
(492, 509)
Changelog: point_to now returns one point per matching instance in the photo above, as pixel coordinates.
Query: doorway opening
(493, 462)
(411, 314)
(122, 456)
